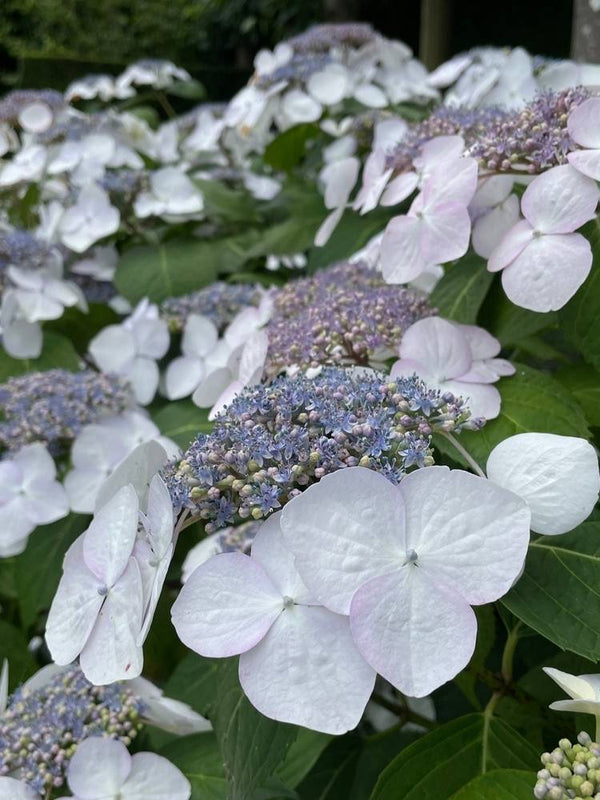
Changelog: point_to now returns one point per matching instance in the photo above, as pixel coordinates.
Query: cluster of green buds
(570, 771)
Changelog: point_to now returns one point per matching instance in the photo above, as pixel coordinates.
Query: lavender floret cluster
(345, 314)
(532, 139)
(299, 68)
(321, 38)
(53, 406)
(275, 440)
(41, 728)
(220, 302)
(19, 248)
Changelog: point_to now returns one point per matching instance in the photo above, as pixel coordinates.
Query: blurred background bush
(51, 42)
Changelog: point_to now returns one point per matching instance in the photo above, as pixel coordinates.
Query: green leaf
(376, 754)
(182, 421)
(511, 324)
(188, 90)
(486, 634)
(220, 201)
(531, 401)
(557, 595)
(57, 352)
(170, 269)
(199, 759)
(437, 765)
(333, 774)
(584, 384)
(499, 784)
(252, 747)
(461, 291)
(353, 232)
(81, 328)
(13, 646)
(284, 152)
(39, 568)
(580, 318)
(302, 756)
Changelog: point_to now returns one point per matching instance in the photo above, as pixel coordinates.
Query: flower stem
(465, 454)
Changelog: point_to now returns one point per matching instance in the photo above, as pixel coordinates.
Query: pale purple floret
(320, 38)
(220, 302)
(273, 441)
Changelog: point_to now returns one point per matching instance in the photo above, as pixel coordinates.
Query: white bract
(583, 125)
(12, 789)
(98, 609)
(92, 218)
(43, 294)
(460, 359)
(30, 496)
(27, 165)
(172, 195)
(99, 450)
(132, 348)
(103, 769)
(338, 179)
(557, 476)
(543, 261)
(584, 691)
(407, 563)
(494, 210)
(298, 662)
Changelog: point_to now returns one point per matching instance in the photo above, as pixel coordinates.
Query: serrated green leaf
(440, 763)
(462, 290)
(584, 384)
(510, 324)
(531, 401)
(580, 318)
(182, 421)
(557, 595)
(499, 784)
(333, 774)
(199, 759)
(39, 568)
(302, 756)
(58, 352)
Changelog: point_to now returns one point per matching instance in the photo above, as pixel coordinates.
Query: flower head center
(411, 558)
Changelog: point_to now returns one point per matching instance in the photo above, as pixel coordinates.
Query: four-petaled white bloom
(103, 769)
(132, 348)
(172, 195)
(30, 496)
(454, 358)
(557, 476)
(91, 218)
(543, 260)
(407, 563)
(298, 662)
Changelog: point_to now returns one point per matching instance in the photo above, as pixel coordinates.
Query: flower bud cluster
(220, 302)
(41, 727)
(345, 314)
(570, 771)
(275, 440)
(321, 38)
(52, 407)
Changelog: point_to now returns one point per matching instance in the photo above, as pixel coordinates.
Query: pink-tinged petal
(113, 349)
(449, 71)
(399, 189)
(415, 634)
(402, 258)
(479, 372)
(74, 609)
(82, 485)
(407, 367)
(108, 542)
(437, 152)
(160, 516)
(556, 475)
(252, 362)
(445, 233)
(183, 376)
(491, 228)
(375, 179)
(339, 179)
(560, 200)
(308, 671)
(469, 534)
(548, 272)
(451, 182)
(501, 366)
(511, 246)
(587, 162)
(481, 342)
(343, 531)
(584, 123)
(226, 607)
(490, 192)
(48, 501)
(269, 550)
(144, 378)
(483, 400)
(199, 337)
(151, 598)
(112, 652)
(328, 226)
(15, 526)
(212, 385)
(439, 345)
(153, 777)
(99, 767)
